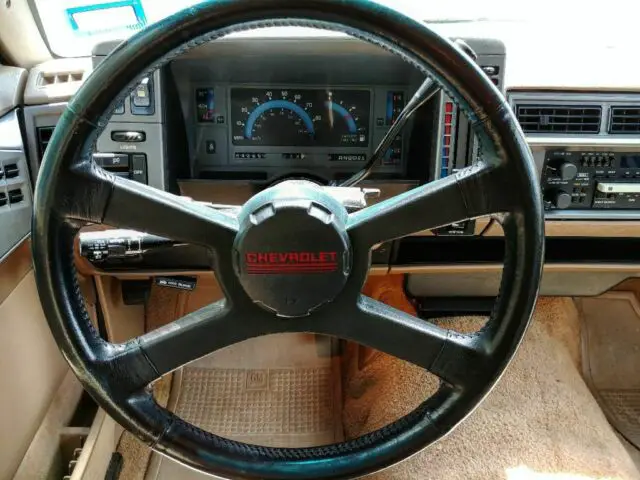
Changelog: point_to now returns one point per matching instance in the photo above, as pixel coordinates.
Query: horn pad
(292, 252)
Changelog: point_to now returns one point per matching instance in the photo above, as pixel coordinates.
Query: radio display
(283, 117)
(630, 161)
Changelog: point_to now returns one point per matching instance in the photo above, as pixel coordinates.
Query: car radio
(582, 180)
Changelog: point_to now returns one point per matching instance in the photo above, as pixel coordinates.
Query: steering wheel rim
(71, 190)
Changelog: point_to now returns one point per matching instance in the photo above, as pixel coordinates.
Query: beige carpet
(165, 305)
(540, 421)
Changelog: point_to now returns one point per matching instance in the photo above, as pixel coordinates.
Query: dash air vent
(579, 119)
(625, 119)
(55, 78)
(43, 135)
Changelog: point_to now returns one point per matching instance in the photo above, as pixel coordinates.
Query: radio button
(567, 171)
(558, 198)
(562, 170)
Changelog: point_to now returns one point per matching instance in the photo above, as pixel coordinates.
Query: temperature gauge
(205, 105)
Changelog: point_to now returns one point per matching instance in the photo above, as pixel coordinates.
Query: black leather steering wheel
(289, 224)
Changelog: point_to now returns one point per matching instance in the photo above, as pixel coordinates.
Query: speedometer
(271, 117)
(300, 117)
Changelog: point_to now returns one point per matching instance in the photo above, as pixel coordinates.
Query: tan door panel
(31, 366)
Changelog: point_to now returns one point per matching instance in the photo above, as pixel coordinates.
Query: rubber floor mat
(277, 391)
(611, 358)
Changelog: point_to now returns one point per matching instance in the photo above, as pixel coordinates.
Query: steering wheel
(293, 260)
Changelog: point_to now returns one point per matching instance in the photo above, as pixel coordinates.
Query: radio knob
(567, 171)
(558, 198)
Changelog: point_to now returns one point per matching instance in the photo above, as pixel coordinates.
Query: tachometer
(271, 117)
(345, 118)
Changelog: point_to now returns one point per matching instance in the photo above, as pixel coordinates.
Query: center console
(587, 150)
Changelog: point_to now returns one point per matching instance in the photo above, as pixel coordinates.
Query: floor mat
(280, 391)
(611, 358)
(540, 422)
(261, 406)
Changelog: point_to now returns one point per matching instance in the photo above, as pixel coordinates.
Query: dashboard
(308, 107)
(235, 116)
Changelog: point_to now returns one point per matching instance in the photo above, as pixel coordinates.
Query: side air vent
(43, 135)
(625, 120)
(580, 119)
(55, 78)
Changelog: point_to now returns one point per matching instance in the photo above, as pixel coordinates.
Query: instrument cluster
(328, 131)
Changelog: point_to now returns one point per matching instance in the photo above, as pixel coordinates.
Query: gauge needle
(330, 109)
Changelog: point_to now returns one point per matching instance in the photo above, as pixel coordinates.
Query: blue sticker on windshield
(107, 17)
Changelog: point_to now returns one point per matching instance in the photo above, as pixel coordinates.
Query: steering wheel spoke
(101, 197)
(469, 193)
(191, 337)
(453, 357)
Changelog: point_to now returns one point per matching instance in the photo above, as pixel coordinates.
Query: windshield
(73, 27)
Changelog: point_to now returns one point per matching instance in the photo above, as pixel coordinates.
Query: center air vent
(43, 135)
(583, 119)
(625, 120)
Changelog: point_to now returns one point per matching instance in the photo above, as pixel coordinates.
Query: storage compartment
(73, 437)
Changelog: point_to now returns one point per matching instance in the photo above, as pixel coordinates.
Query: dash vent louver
(576, 119)
(625, 119)
(55, 78)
